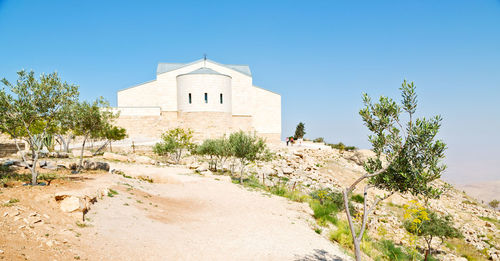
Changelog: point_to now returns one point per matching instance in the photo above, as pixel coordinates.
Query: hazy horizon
(320, 56)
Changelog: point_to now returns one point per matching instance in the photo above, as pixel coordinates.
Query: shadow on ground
(319, 255)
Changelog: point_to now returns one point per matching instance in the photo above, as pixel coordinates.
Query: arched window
(206, 97)
(221, 100)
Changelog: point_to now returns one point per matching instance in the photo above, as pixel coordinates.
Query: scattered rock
(95, 165)
(71, 204)
(287, 170)
(144, 160)
(114, 156)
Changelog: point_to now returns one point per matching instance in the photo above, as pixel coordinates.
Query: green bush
(358, 198)
(342, 235)
(326, 196)
(174, 142)
(392, 252)
(319, 140)
(340, 146)
(326, 212)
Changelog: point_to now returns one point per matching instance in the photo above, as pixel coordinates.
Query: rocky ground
(182, 215)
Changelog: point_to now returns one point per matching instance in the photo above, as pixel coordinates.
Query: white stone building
(210, 98)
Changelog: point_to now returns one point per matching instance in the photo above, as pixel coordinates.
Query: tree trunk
(81, 153)
(110, 148)
(34, 160)
(428, 251)
(241, 173)
(66, 146)
(357, 249)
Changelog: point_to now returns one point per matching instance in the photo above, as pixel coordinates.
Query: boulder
(114, 156)
(360, 156)
(59, 155)
(71, 204)
(144, 160)
(95, 165)
(77, 153)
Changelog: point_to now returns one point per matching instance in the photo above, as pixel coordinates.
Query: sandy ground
(188, 217)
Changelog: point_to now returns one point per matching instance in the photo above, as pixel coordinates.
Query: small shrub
(358, 198)
(469, 202)
(112, 193)
(342, 235)
(11, 202)
(145, 178)
(324, 213)
(319, 140)
(318, 230)
(494, 203)
(393, 252)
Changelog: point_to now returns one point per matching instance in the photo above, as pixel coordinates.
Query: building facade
(210, 98)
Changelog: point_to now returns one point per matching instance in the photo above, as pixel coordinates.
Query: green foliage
(392, 252)
(324, 213)
(300, 131)
(328, 197)
(251, 181)
(358, 198)
(11, 202)
(174, 142)
(412, 150)
(112, 193)
(216, 150)
(496, 222)
(248, 148)
(113, 133)
(494, 203)
(90, 120)
(31, 109)
(464, 249)
(319, 140)
(429, 226)
(342, 235)
(469, 202)
(340, 146)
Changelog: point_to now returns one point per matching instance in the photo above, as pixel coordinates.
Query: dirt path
(200, 218)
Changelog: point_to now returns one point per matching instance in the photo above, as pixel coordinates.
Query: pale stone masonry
(210, 98)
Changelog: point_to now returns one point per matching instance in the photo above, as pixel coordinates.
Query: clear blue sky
(319, 55)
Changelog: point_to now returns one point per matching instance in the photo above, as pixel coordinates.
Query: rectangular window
(190, 98)
(206, 97)
(221, 101)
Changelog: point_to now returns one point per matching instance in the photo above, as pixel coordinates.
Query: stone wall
(144, 127)
(206, 124)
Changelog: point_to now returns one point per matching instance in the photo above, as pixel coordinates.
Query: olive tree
(248, 148)
(173, 143)
(90, 120)
(408, 154)
(113, 133)
(216, 150)
(430, 225)
(30, 109)
(208, 149)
